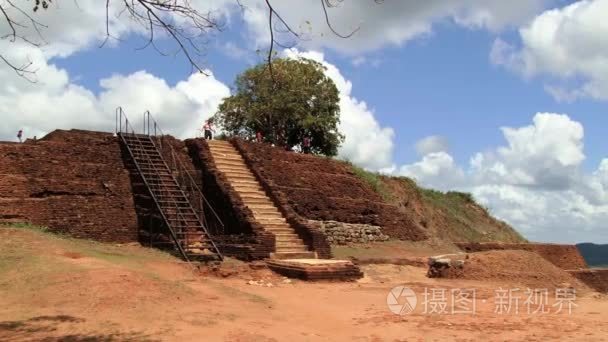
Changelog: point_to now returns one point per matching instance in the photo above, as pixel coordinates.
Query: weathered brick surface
(325, 189)
(73, 181)
(566, 257)
(594, 278)
(254, 242)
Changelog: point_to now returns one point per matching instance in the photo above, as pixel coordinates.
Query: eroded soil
(56, 289)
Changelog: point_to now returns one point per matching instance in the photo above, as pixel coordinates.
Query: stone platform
(316, 269)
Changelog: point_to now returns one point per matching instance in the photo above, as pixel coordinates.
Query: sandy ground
(64, 290)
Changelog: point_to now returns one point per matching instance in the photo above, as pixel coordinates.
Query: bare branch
(325, 4)
(179, 20)
(24, 70)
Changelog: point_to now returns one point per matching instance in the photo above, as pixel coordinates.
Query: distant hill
(595, 255)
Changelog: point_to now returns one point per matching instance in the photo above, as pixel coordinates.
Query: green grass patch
(374, 180)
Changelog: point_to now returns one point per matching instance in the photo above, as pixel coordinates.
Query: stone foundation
(340, 233)
(316, 269)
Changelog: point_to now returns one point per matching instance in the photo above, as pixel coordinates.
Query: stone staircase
(230, 162)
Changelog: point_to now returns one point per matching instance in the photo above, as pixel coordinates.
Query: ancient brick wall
(73, 182)
(566, 257)
(324, 189)
(597, 279)
(244, 237)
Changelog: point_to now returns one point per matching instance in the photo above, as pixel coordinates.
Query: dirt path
(66, 290)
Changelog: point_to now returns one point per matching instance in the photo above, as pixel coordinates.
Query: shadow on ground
(57, 329)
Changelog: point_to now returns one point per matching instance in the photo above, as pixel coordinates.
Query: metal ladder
(186, 226)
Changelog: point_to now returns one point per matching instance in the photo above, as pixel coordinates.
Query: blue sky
(433, 84)
(438, 84)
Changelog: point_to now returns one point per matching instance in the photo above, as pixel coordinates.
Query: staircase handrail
(149, 124)
(119, 132)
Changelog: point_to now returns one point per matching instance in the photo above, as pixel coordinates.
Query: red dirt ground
(129, 293)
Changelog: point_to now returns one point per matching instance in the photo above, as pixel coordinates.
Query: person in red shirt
(258, 137)
(20, 135)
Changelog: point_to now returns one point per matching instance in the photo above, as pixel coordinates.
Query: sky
(505, 100)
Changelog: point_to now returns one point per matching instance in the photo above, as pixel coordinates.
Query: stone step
(281, 231)
(266, 216)
(272, 220)
(273, 211)
(228, 164)
(235, 169)
(252, 192)
(294, 241)
(243, 181)
(245, 184)
(218, 142)
(278, 225)
(285, 244)
(301, 249)
(237, 174)
(286, 236)
(268, 219)
(293, 255)
(262, 207)
(221, 157)
(253, 199)
(247, 188)
(259, 202)
(226, 153)
(231, 168)
(233, 161)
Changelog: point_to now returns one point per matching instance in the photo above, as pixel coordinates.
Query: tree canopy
(294, 102)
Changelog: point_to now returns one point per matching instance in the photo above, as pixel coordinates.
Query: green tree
(287, 101)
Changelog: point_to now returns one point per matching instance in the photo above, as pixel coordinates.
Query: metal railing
(124, 128)
(209, 217)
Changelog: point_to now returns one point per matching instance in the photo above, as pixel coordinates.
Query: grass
(374, 180)
(27, 254)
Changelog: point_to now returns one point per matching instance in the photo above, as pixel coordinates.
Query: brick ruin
(81, 183)
(73, 182)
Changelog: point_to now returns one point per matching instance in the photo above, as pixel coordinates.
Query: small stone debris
(260, 283)
(438, 265)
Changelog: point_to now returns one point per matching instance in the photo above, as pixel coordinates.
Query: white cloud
(431, 144)
(388, 23)
(546, 154)
(437, 169)
(180, 110)
(56, 102)
(566, 43)
(366, 142)
(534, 182)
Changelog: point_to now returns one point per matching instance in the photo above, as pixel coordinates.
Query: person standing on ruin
(208, 129)
(20, 135)
(258, 137)
(306, 145)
